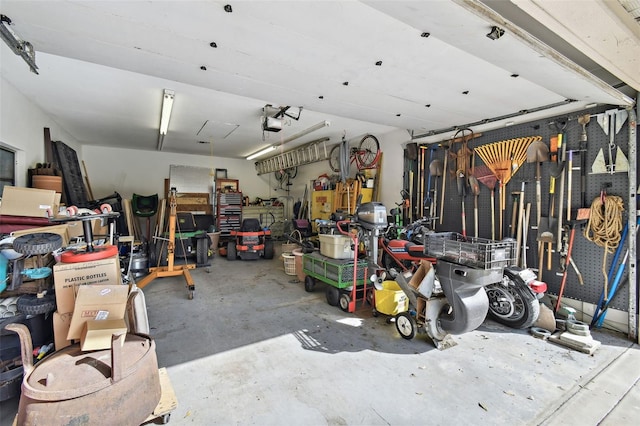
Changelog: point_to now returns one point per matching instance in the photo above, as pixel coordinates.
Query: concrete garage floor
(253, 347)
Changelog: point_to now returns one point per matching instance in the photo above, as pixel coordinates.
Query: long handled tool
(573, 224)
(462, 191)
(488, 179)
(583, 120)
(538, 152)
(519, 223)
(504, 158)
(446, 147)
(475, 190)
(435, 170)
(563, 157)
(604, 298)
(569, 182)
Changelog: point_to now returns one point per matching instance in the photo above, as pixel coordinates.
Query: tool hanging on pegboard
(611, 121)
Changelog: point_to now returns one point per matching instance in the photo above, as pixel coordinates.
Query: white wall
(126, 171)
(143, 172)
(22, 126)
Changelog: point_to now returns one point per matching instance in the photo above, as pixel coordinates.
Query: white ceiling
(103, 66)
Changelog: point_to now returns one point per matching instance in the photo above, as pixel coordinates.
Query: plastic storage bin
(336, 246)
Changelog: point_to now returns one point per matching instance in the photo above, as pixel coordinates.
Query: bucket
(53, 183)
(299, 272)
(215, 241)
(289, 263)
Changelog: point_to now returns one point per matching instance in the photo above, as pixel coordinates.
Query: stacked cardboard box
(68, 279)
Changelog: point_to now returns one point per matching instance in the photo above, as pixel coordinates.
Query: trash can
(298, 262)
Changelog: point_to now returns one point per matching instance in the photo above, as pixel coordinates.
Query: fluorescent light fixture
(261, 152)
(167, 105)
(304, 132)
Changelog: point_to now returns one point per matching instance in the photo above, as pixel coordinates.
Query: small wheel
(31, 304)
(406, 325)
(39, 243)
(190, 295)
(375, 312)
(333, 295)
(345, 301)
(368, 151)
(309, 284)
(165, 419)
(388, 320)
(334, 158)
(232, 254)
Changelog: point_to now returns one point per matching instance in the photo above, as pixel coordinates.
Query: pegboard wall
(588, 257)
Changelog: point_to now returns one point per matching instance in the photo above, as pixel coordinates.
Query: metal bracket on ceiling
(20, 47)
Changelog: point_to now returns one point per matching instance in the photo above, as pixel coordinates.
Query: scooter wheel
(406, 325)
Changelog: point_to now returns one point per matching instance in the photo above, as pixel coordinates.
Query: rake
(504, 159)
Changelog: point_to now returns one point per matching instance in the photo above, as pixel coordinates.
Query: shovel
(538, 152)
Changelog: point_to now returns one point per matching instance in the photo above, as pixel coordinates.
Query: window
(7, 168)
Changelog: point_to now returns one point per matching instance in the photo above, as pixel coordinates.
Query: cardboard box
(336, 246)
(97, 334)
(423, 280)
(18, 201)
(68, 277)
(417, 279)
(61, 323)
(76, 229)
(97, 302)
(420, 274)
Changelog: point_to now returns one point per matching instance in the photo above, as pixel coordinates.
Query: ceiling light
(591, 105)
(304, 132)
(165, 116)
(495, 33)
(261, 152)
(167, 106)
(20, 47)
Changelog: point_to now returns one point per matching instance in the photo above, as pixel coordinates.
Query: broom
(505, 158)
